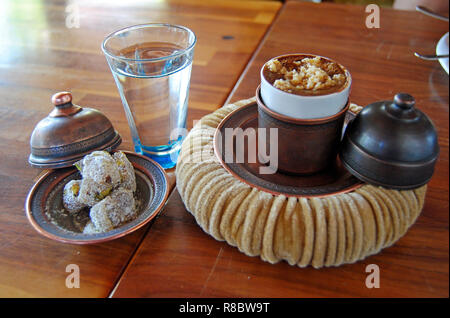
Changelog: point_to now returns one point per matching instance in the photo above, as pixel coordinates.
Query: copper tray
(44, 203)
(334, 180)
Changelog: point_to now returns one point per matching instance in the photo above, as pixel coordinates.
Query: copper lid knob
(404, 100)
(61, 98)
(68, 133)
(63, 105)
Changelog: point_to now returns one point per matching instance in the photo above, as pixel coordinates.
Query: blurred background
(439, 6)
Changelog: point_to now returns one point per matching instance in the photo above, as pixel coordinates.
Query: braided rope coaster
(319, 231)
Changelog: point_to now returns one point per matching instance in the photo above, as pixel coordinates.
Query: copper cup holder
(305, 146)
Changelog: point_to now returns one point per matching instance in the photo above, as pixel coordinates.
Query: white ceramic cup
(301, 106)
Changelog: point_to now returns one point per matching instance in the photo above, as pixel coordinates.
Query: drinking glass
(151, 65)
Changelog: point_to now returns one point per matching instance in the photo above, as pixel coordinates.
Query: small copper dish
(305, 146)
(45, 211)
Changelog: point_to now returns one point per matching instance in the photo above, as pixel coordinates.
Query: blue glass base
(166, 156)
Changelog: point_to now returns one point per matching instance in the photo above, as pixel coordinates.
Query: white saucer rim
(442, 48)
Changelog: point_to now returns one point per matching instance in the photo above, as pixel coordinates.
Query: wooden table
(177, 259)
(43, 52)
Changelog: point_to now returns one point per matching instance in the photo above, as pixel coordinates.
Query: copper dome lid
(391, 144)
(68, 133)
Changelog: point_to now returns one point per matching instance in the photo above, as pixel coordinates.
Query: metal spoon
(430, 13)
(430, 57)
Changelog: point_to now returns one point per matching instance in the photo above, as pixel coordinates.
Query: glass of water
(151, 64)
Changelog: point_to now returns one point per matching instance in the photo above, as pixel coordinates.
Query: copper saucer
(44, 203)
(334, 180)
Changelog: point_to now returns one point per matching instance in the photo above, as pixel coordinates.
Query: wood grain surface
(177, 259)
(40, 56)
